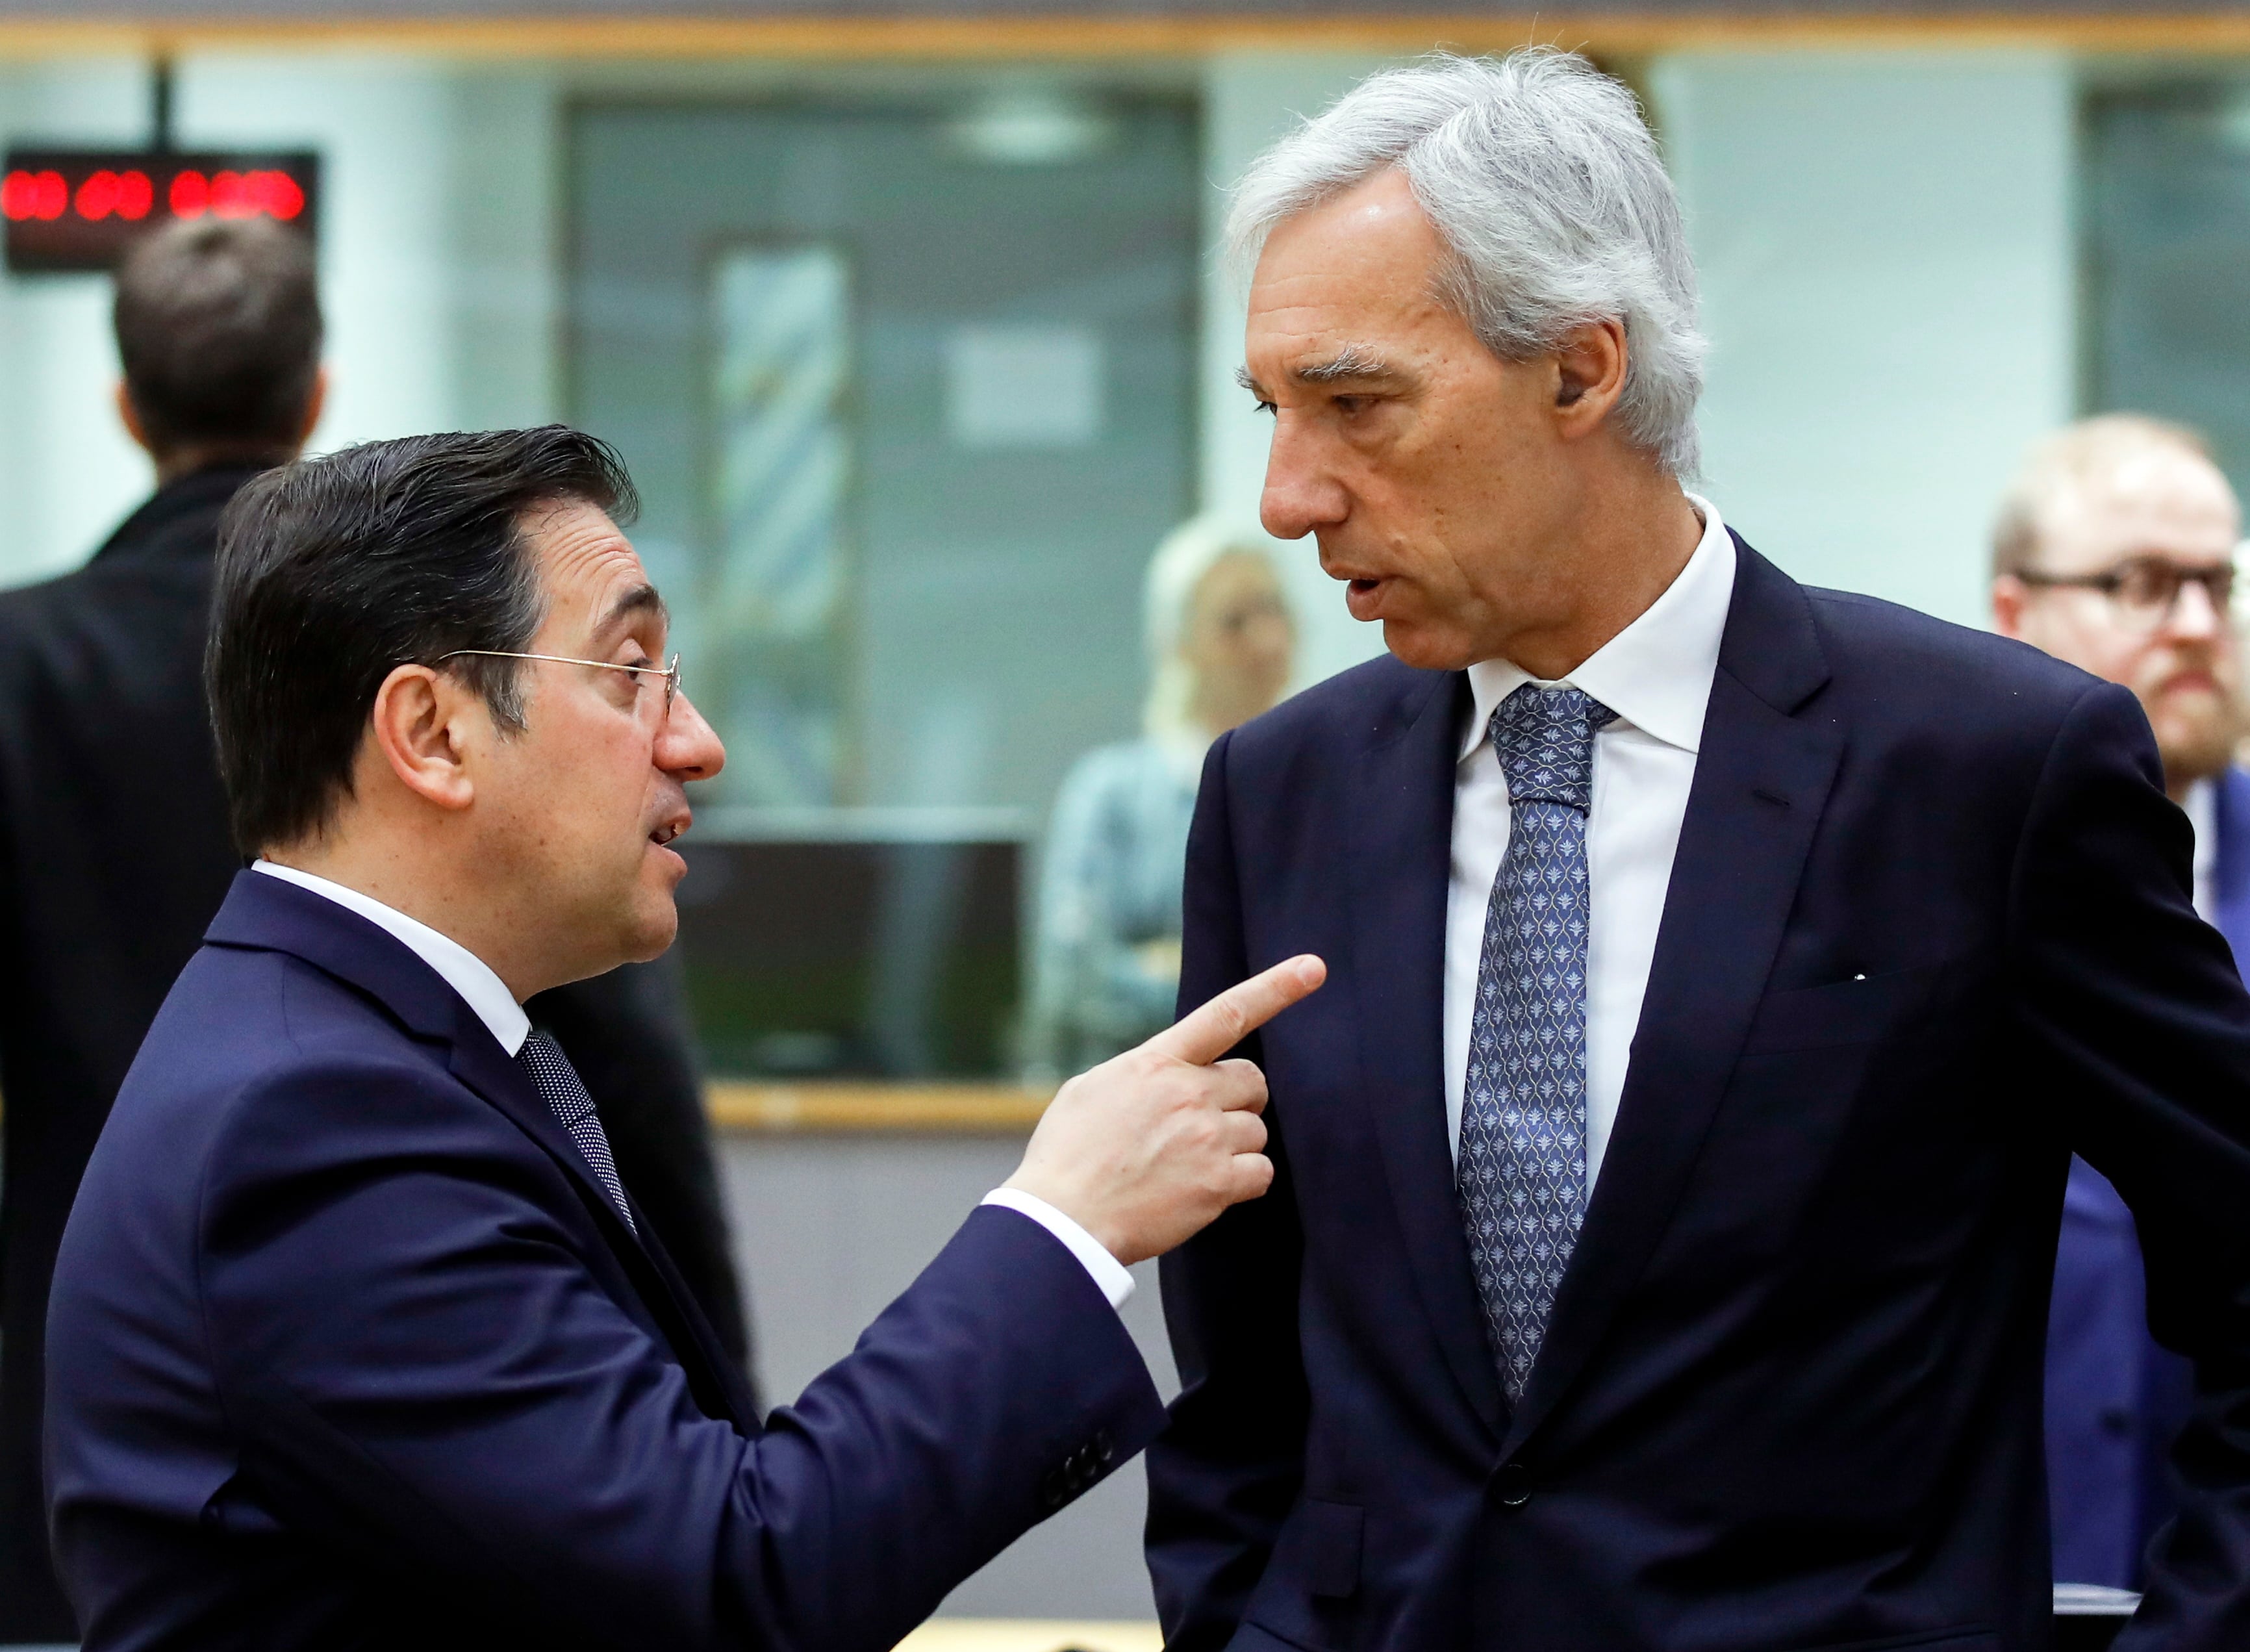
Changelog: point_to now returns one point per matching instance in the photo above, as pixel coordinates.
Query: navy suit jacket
(1928, 929)
(347, 1348)
(2116, 1399)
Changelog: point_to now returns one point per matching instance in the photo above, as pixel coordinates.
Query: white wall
(1886, 245)
(1249, 100)
(438, 266)
(829, 1229)
(1886, 253)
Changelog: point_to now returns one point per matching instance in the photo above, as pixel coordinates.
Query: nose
(2194, 616)
(1301, 492)
(686, 747)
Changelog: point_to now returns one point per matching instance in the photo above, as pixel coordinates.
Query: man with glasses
(2115, 550)
(359, 1338)
(113, 844)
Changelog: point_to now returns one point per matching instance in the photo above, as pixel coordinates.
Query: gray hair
(1545, 184)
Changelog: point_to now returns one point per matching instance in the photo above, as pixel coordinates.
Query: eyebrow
(641, 599)
(1352, 362)
(1352, 365)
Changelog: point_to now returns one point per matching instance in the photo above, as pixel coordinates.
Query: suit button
(1512, 1485)
(1105, 1450)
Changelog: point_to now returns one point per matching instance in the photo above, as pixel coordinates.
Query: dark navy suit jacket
(2116, 1399)
(347, 1348)
(1928, 929)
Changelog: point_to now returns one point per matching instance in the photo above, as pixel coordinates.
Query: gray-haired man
(1723, 972)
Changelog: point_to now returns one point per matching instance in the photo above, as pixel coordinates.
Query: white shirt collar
(462, 970)
(2202, 807)
(1655, 674)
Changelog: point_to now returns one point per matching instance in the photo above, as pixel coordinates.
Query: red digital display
(76, 209)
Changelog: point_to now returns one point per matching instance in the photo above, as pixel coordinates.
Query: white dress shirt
(1656, 675)
(485, 993)
(462, 970)
(2201, 806)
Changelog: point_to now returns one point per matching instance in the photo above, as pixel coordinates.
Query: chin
(653, 923)
(1425, 649)
(654, 933)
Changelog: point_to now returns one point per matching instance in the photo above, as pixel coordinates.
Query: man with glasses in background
(2115, 550)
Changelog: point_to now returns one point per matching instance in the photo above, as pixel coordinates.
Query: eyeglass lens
(2150, 590)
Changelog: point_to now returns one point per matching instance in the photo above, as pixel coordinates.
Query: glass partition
(2166, 228)
(906, 385)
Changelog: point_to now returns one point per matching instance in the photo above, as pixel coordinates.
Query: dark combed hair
(219, 326)
(334, 571)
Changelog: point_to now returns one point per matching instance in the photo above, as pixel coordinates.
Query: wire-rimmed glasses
(669, 671)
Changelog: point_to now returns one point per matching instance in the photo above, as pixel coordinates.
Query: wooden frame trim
(968, 38)
(737, 1106)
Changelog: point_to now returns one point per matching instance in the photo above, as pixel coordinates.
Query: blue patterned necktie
(1522, 1165)
(561, 1088)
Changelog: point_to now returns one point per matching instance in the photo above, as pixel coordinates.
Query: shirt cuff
(1108, 1274)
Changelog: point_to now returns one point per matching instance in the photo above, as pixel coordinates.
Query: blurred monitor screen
(811, 959)
(77, 209)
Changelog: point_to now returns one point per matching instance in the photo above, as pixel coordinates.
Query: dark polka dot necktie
(1520, 1168)
(561, 1088)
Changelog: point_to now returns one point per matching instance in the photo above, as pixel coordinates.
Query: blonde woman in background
(1221, 646)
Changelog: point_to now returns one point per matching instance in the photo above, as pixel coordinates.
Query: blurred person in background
(2115, 550)
(1221, 646)
(114, 851)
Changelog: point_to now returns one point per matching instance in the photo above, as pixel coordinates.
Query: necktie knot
(1544, 738)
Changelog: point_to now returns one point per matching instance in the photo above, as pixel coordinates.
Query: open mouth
(665, 833)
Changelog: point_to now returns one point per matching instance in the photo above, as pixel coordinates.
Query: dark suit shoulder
(150, 581)
(245, 1033)
(1371, 702)
(1914, 658)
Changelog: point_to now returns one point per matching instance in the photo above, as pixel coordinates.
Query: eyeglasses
(669, 672)
(2145, 591)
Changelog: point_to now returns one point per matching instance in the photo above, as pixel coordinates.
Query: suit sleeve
(626, 1033)
(1226, 1471)
(2139, 1030)
(414, 1347)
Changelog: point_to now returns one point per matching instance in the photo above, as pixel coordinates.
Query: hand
(1147, 1149)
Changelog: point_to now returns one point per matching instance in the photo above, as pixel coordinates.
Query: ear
(315, 404)
(129, 416)
(417, 725)
(2008, 595)
(1589, 376)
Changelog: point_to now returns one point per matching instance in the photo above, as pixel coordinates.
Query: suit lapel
(738, 1400)
(267, 912)
(480, 1063)
(1761, 779)
(485, 1067)
(1401, 860)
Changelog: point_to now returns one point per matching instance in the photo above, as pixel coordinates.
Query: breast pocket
(1857, 1011)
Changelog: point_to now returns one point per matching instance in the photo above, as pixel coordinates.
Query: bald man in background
(2115, 550)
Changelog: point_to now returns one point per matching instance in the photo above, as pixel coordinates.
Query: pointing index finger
(1203, 1035)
